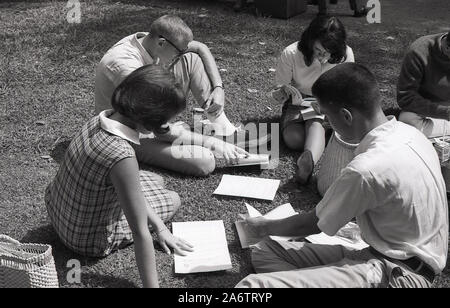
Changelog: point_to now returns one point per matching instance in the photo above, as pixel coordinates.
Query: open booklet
(247, 238)
(283, 93)
(308, 111)
(210, 247)
(348, 236)
(261, 160)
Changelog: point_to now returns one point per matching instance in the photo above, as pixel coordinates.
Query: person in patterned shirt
(99, 200)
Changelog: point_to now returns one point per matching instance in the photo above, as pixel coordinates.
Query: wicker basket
(26, 265)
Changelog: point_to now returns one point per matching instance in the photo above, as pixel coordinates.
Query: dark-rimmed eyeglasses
(180, 51)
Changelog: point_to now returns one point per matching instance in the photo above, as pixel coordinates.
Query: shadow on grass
(47, 235)
(241, 259)
(59, 150)
(303, 198)
(107, 281)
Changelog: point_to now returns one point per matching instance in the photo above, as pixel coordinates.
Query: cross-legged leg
(298, 264)
(315, 138)
(193, 76)
(185, 159)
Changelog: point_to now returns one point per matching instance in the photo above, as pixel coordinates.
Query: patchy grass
(47, 94)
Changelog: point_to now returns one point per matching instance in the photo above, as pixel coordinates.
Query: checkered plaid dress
(81, 201)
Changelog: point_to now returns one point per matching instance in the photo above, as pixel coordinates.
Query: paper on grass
(210, 247)
(348, 236)
(249, 187)
(247, 238)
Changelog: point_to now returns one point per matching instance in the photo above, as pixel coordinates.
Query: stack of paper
(248, 238)
(249, 187)
(210, 247)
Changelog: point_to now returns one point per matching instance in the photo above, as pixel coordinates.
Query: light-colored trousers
(192, 75)
(430, 127)
(302, 265)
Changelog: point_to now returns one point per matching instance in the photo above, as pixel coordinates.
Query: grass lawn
(47, 94)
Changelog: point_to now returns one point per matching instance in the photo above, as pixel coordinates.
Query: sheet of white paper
(247, 238)
(251, 211)
(353, 242)
(248, 187)
(210, 247)
(282, 211)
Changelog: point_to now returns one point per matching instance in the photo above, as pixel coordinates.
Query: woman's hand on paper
(167, 241)
(229, 152)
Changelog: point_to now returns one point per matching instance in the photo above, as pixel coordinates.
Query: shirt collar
(148, 59)
(439, 47)
(116, 128)
(378, 132)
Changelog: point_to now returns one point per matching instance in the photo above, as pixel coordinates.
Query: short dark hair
(173, 28)
(351, 86)
(330, 32)
(149, 96)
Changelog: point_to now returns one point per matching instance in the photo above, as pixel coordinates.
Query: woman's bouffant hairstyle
(149, 96)
(330, 32)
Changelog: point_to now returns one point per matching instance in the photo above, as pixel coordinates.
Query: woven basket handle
(7, 239)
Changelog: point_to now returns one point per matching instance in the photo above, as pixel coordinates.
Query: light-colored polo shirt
(394, 188)
(292, 69)
(119, 61)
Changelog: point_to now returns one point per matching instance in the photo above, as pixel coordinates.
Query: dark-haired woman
(322, 46)
(99, 201)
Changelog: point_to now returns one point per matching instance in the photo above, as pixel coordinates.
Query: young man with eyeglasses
(423, 89)
(170, 43)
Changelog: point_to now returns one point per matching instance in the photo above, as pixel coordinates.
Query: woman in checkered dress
(99, 200)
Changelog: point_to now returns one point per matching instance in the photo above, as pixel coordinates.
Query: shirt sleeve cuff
(324, 225)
